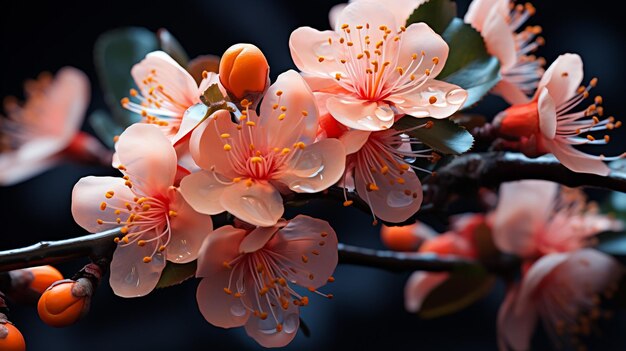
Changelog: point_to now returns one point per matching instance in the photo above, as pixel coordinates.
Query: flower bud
(448, 244)
(43, 277)
(518, 120)
(244, 71)
(65, 302)
(10, 338)
(406, 237)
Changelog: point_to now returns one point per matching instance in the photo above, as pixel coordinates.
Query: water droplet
(255, 207)
(456, 96)
(237, 309)
(384, 113)
(196, 112)
(310, 165)
(398, 199)
(291, 323)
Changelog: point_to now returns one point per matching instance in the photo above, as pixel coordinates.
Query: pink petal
(537, 273)
(353, 140)
(516, 325)
(189, 228)
(563, 78)
(523, 210)
(14, 169)
(258, 237)
(130, 275)
(419, 286)
(510, 92)
(547, 114)
(310, 245)
(222, 245)
(264, 331)
(478, 11)
(88, 195)
(202, 191)
(333, 15)
(207, 146)
(191, 119)
(318, 167)
(449, 99)
(148, 156)
(360, 114)
(418, 38)
(402, 9)
(217, 307)
(390, 202)
(308, 44)
(499, 39)
(176, 81)
(259, 204)
(300, 120)
(576, 160)
(368, 12)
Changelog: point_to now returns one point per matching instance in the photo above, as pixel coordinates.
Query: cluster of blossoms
(233, 143)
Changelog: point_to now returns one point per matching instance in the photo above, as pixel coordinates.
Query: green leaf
(172, 47)
(469, 65)
(444, 136)
(436, 13)
(115, 53)
(456, 293)
(104, 127)
(175, 273)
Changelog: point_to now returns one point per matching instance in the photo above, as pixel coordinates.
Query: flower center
(373, 70)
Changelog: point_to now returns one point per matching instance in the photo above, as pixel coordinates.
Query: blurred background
(367, 311)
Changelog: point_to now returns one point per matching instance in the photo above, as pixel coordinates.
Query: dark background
(367, 311)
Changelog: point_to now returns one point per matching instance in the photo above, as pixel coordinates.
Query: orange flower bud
(401, 238)
(65, 302)
(10, 338)
(244, 70)
(519, 120)
(43, 277)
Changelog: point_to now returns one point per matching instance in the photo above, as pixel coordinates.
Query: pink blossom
(166, 91)
(401, 9)
(248, 276)
(156, 222)
(549, 123)
(34, 134)
(533, 219)
(564, 291)
(371, 68)
(499, 21)
(247, 164)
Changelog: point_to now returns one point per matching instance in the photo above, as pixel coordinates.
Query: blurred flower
(248, 276)
(10, 337)
(155, 220)
(34, 135)
(406, 237)
(564, 291)
(372, 68)
(244, 71)
(166, 91)
(65, 302)
(246, 164)
(548, 125)
(498, 21)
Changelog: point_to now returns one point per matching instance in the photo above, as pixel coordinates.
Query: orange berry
(60, 307)
(244, 70)
(10, 338)
(43, 277)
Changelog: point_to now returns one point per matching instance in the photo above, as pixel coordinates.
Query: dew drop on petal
(398, 199)
(456, 96)
(309, 165)
(384, 113)
(291, 323)
(237, 309)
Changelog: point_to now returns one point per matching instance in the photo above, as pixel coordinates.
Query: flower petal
(576, 160)
(538, 272)
(516, 325)
(202, 191)
(360, 114)
(66, 104)
(222, 245)
(562, 78)
(310, 246)
(435, 98)
(265, 332)
(353, 140)
(499, 39)
(307, 45)
(259, 204)
(190, 120)
(360, 13)
(217, 307)
(333, 15)
(419, 286)
(300, 120)
(547, 114)
(258, 237)
(510, 92)
(418, 38)
(15, 169)
(88, 195)
(392, 202)
(478, 11)
(148, 156)
(207, 146)
(176, 81)
(318, 167)
(189, 228)
(130, 275)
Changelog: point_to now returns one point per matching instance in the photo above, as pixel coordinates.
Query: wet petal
(130, 275)
(217, 307)
(202, 191)
(259, 204)
(419, 286)
(436, 99)
(418, 38)
(265, 332)
(207, 145)
(318, 167)
(219, 247)
(353, 140)
(360, 114)
(563, 77)
(189, 228)
(307, 45)
(547, 114)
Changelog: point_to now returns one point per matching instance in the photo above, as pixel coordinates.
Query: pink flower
(551, 125)
(376, 166)
(34, 134)
(533, 219)
(401, 9)
(372, 68)
(166, 91)
(498, 21)
(248, 276)
(247, 164)
(564, 291)
(157, 223)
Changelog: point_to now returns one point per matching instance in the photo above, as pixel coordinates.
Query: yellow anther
(384, 170)
(414, 56)
(400, 180)
(264, 290)
(124, 230)
(593, 82)
(173, 213)
(225, 135)
(141, 243)
(147, 259)
(305, 259)
(590, 138)
(436, 60)
(275, 106)
(372, 187)
(400, 70)
(338, 76)
(99, 221)
(598, 100)
(404, 167)
(285, 151)
(125, 101)
(162, 248)
(236, 180)
(103, 206)
(283, 108)
(116, 240)
(227, 291)
(250, 124)
(145, 207)
(279, 92)
(359, 56)
(256, 159)
(344, 26)
(245, 102)
(227, 147)
(299, 145)
(432, 99)
(281, 116)
(249, 182)
(607, 138)
(347, 203)
(427, 72)
(305, 113)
